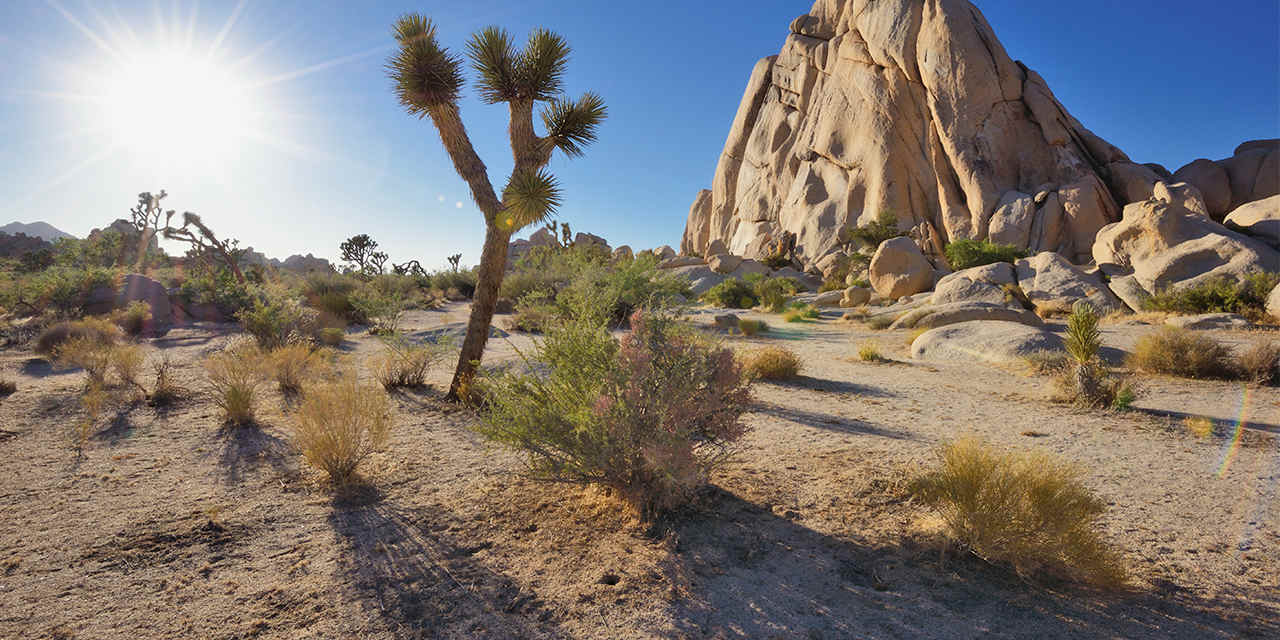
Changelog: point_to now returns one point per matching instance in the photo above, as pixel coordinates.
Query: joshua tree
(454, 260)
(428, 81)
(202, 240)
(358, 250)
(378, 262)
(146, 219)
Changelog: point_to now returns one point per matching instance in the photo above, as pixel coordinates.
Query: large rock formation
(1251, 173)
(914, 108)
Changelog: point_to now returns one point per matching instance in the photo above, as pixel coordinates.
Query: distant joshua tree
(378, 262)
(146, 219)
(454, 261)
(428, 82)
(358, 250)
(203, 242)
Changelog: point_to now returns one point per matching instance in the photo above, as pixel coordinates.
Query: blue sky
(318, 150)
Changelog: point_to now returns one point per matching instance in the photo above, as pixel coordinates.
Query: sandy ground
(171, 527)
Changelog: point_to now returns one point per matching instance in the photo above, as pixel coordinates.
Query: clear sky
(275, 120)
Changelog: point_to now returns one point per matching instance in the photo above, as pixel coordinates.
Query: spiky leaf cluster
(424, 73)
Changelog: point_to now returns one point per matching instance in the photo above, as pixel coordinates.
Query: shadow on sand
(752, 574)
(827, 421)
(247, 448)
(405, 566)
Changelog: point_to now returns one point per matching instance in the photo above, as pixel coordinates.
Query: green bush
(774, 293)
(331, 293)
(731, 294)
(885, 227)
(133, 319)
(750, 327)
(63, 290)
(1087, 381)
(1224, 294)
(381, 306)
(275, 320)
(463, 282)
(219, 289)
(649, 416)
(965, 253)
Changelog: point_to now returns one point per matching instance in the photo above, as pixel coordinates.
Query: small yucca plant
(1083, 338)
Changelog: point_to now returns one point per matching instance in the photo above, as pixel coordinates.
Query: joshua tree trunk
(493, 262)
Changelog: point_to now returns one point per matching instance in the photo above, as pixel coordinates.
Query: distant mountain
(42, 230)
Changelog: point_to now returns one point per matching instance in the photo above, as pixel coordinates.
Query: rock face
(1165, 245)
(983, 341)
(979, 284)
(136, 287)
(931, 316)
(1251, 173)
(899, 269)
(913, 108)
(1049, 278)
(1260, 219)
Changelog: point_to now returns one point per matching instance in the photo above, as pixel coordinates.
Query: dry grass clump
(295, 364)
(94, 329)
(234, 377)
(122, 362)
(1051, 308)
(881, 321)
(1181, 352)
(1260, 363)
(1026, 510)
(93, 401)
(1047, 362)
(800, 312)
(341, 423)
(867, 352)
(772, 363)
(133, 319)
(751, 328)
(404, 364)
(1198, 426)
(165, 391)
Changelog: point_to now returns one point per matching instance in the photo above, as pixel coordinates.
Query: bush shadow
(749, 573)
(405, 566)
(833, 386)
(827, 421)
(247, 448)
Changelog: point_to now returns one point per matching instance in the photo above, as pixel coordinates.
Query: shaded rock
(1207, 321)
(306, 264)
(723, 263)
(623, 253)
(1129, 291)
(1260, 219)
(899, 268)
(747, 267)
(664, 253)
(983, 341)
(589, 240)
(680, 261)
(726, 321)
(701, 278)
(930, 316)
(1048, 278)
(1131, 182)
(139, 288)
(1212, 181)
(978, 284)
(1273, 303)
(99, 301)
(1011, 222)
(855, 297)
(828, 299)
(806, 281)
(696, 229)
(1165, 245)
(453, 333)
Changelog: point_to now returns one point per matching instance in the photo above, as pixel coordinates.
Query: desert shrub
(1026, 510)
(867, 352)
(1180, 352)
(165, 390)
(87, 353)
(884, 227)
(341, 423)
(1086, 380)
(126, 361)
(801, 313)
(750, 327)
(218, 288)
(731, 294)
(462, 281)
(965, 253)
(332, 336)
(331, 293)
(64, 290)
(94, 329)
(93, 401)
(1198, 426)
(1223, 294)
(774, 293)
(379, 305)
(1047, 362)
(133, 318)
(404, 363)
(880, 322)
(772, 363)
(535, 313)
(1260, 363)
(234, 376)
(294, 365)
(650, 415)
(274, 321)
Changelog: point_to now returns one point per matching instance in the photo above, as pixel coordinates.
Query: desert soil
(169, 526)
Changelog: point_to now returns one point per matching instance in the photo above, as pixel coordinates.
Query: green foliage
(750, 327)
(1026, 510)
(1223, 294)
(731, 294)
(965, 253)
(650, 415)
(61, 289)
(462, 282)
(133, 319)
(218, 288)
(1089, 382)
(884, 227)
(800, 312)
(276, 320)
(1083, 338)
(381, 302)
(331, 293)
(774, 293)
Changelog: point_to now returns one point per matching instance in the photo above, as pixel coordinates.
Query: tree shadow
(748, 573)
(41, 368)
(406, 566)
(827, 421)
(833, 386)
(121, 426)
(246, 448)
(1221, 428)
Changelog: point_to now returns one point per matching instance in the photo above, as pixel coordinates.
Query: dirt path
(171, 527)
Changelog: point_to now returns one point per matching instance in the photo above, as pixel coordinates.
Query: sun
(172, 107)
